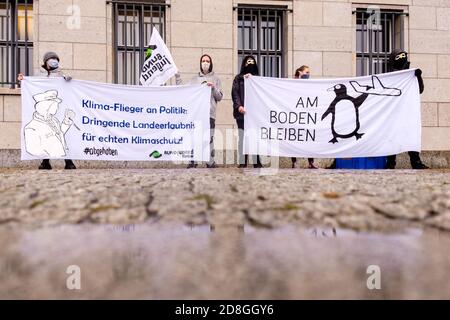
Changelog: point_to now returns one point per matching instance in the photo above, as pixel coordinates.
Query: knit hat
(50, 55)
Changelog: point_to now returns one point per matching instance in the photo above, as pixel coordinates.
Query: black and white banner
(351, 117)
(100, 121)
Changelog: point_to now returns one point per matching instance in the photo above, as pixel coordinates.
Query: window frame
(133, 71)
(396, 39)
(260, 53)
(12, 44)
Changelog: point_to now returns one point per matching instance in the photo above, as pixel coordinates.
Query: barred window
(378, 33)
(260, 33)
(16, 40)
(133, 25)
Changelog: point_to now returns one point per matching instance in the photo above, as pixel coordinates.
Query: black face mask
(251, 68)
(400, 62)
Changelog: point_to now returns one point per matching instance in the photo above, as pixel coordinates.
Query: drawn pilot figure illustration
(44, 135)
(345, 107)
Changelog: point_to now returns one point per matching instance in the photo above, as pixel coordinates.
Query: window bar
(125, 54)
(277, 71)
(14, 51)
(370, 38)
(141, 36)
(377, 45)
(243, 31)
(115, 35)
(133, 58)
(363, 44)
(385, 35)
(402, 27)
(160, 23)
(393, 31)
(266, 37)
(258, 39)
(8, 43)
(27, 71)
(251, 32)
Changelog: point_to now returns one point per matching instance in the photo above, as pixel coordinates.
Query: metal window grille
(378, 33)
(133, 25)
(16, 40)
(260, 33)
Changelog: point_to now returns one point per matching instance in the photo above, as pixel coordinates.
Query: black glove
(418, 74)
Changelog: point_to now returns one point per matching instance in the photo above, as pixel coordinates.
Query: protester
(206, 75)
(248, 68)
(303, 73)
(51, 68)
(398, 60)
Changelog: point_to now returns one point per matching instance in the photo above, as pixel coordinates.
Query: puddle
(164, 261)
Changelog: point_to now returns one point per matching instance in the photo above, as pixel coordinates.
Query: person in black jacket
(248, 67)
(398, 60)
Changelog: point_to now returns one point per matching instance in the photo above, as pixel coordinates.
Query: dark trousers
(310, 160)
(414, 158)
(241, 158)
(67, 161)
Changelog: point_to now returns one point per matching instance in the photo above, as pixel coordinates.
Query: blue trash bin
(361, 163)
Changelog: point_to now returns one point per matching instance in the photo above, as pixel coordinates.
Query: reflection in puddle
(221, 262)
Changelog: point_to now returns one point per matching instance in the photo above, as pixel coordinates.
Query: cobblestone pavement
(224, 233)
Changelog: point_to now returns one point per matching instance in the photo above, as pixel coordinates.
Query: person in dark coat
(398, 60)
(248, 67)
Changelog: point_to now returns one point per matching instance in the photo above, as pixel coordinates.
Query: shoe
(211, 166)
(192, 165)
(312, 166)
(390, 165)
(420, 166)
(333, 165)
(257, 165)
(242, 166)
(70, 165)
(45, 165)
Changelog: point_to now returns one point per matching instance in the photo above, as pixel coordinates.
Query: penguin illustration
(341, 95)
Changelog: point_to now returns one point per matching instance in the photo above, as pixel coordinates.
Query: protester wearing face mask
(207, 76)
(303, 73)
(248, 67)
(398, 60)
(51, 68)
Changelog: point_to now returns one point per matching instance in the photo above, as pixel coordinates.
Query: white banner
(159, 66)
(99, 121)
(326, 118)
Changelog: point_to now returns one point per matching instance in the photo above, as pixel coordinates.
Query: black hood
(253, 68)
(398, 60)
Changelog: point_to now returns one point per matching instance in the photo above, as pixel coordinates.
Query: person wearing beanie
(51, 68)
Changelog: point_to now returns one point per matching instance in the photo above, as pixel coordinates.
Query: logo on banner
(343, 100)
(155, 154)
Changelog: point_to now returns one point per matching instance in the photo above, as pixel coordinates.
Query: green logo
(155, 154)
(148, 52)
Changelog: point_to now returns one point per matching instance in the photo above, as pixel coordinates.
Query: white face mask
(205, 66)
(53, 63)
